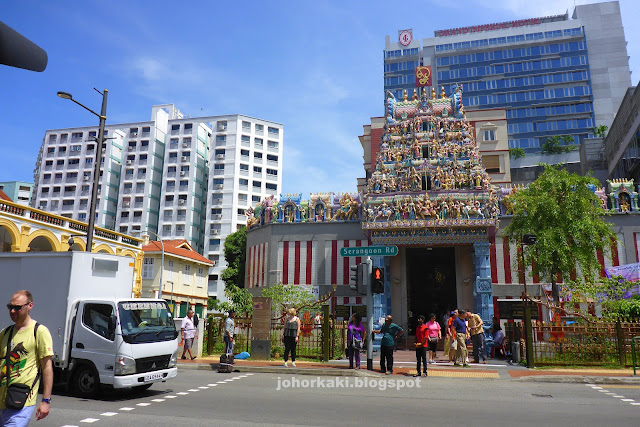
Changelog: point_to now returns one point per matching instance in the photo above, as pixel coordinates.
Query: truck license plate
(151, 377)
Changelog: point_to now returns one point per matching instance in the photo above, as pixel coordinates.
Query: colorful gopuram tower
(429, 187)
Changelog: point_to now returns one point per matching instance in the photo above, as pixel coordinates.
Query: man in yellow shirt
(477, 337)
(28, 350)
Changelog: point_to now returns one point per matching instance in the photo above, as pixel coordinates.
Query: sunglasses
(12, 307)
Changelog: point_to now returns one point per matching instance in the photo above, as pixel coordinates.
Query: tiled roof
(4, 196)
(177, 247)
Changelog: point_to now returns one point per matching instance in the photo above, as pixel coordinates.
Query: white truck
(102, 336)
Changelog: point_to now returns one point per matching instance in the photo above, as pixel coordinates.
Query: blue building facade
(551, 74)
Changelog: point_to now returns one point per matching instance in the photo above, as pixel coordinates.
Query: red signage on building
(423, 76)
(499, 25)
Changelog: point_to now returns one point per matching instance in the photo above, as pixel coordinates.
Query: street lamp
(96, 173)
(161, 262)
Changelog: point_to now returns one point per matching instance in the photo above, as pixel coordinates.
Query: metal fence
(310, 342)
(579, 343)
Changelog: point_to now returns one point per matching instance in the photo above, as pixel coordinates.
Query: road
(203, 398)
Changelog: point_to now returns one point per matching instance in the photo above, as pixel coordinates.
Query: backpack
(356, 342)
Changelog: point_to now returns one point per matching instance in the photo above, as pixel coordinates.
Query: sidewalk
(404, 364)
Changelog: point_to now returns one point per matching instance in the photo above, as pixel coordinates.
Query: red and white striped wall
(256, 261)
(504, 258)
(337, 267)
(297, 261)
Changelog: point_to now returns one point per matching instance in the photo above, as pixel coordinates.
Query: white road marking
(611, 394)
(596, 387)
(182, 393)
(109, 414)
(220, 382)
(248, 375)
(603, 391)
(203, 387)
(90, 420)
(618, 396)
(143, 404)
(127, 409)
(170, 397)
(157, 400)
(635, 403)
(193, 389)
(627, 400)
(212, 385)
(69, 426)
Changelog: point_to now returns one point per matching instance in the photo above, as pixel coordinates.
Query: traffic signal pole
(367, 282)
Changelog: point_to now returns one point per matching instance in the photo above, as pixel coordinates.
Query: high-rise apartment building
(179, 177)
(18, 191)
(554, 75)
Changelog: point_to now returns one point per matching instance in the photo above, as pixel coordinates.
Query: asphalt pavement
(205, 397)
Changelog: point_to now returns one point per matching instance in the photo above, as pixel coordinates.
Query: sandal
(192, 358)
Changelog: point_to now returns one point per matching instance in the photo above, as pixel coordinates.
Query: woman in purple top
(355, 338)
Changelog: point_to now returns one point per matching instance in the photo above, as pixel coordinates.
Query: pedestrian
(290, 336)
(421, 346)
(450, 341)
(476, 331)
(229, 327)
(390, 331)
(435, 335)
(356, 336)
(30, 351)
(189, 333)
(460, 327)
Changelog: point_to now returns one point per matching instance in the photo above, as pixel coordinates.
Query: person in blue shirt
(390, 331)
(462, 335)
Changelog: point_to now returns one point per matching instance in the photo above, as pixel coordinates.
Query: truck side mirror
(113, 321)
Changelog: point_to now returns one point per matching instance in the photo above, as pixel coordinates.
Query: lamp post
(96, 172)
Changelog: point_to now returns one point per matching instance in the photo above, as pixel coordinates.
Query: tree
(238, 300)
(568, 220)
(600, 131)
(558, 144)
(516, 153)
(235, 253)
(284, 297)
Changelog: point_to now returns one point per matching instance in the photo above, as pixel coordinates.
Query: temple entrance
(431, 281)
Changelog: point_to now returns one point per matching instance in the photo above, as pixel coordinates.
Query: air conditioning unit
(185, 145)
(182, 173)
(215, 232)
(181, 201)
(219, 186)
(184, 158)
(217, 216)
(126, 204)
(220, 156)
(128, 162)
(85, 178)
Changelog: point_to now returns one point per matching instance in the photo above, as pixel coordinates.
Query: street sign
(369, 251)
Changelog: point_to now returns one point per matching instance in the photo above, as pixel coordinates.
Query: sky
(315, 67)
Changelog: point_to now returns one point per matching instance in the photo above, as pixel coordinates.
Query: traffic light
(377, 280)
(356, 279)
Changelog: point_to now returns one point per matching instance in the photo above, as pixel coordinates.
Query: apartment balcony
(257, 174)
(138, 204)
(48, 167)
(72, 179)
(272, 149)
(175, 131)
(244, 158)
(83, 206)
(137, 219)
(169, 202)
(257, 160)
(57, 180)
(46, 181)
(69, 194)
(184, 188)
(51, 154)
(128, 176)
(181, 218)
(171, 174)
(272, 178)
(272, 163)
(55, 194)
(84, 193)
(145, 134)
(167, 218)
(142, 161)
(179, 232)
(244, 172)
(243, 187)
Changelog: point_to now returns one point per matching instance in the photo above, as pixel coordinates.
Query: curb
(579, 379)
(326, 372)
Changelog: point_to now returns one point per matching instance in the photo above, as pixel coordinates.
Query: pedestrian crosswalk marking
(143, 404)
(109, 414)
(90, 420)
(127, 409)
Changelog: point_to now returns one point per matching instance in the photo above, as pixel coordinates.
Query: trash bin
(515, 351)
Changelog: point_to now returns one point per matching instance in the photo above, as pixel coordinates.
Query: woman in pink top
(434, 335)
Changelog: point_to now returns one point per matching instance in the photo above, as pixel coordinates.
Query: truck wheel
(86, 381)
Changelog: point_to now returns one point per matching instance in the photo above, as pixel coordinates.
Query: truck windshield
(143, 322)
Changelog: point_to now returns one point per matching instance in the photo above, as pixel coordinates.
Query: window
(274, 132)
(255, 199)
(200, 277)
(170, 270)
(244, 153)
(257, 184)
(259, 128)
(96, 317)
(242, 198)
(272, 144)
(273, 172)
(218, 166)
(221, 126)
(257, 155)
(244, 181)
(187, 274)
(76, 148)
(491, 163)
(221, 138)
(489, 135)
(244, 167)
(175, 128)
(147, 268)
(271, 186)
(76, 135)
(258, 142)
(246, 126)
(272, 158)
(188, 127)
(245, 139)
(257, 169)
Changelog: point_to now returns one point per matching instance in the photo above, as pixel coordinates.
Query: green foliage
(516, 153)
(568, 220)
(600, 131)
(235, 253)
(284, 297)
(238, 300)
(558, 144)
(623, 308)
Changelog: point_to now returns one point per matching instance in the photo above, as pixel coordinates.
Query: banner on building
(423, 76)
(630, 272)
